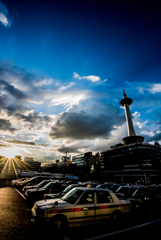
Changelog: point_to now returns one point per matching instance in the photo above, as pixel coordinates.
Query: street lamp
(65, 163)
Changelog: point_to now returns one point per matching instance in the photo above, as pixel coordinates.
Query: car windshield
(122, 190)
(72, 196)
(67, 189)
(43, 183)
(135, 192)
(30, 179)
(48, 185)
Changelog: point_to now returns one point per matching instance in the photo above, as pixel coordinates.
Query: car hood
(134, 199)
(30, 187)
(125, 201)
(54, 195)
(49, 203)
(36, 190)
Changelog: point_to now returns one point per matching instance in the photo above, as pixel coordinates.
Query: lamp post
(65, 163)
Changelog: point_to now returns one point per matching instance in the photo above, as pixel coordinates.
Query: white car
(16, 181)
(81, 206)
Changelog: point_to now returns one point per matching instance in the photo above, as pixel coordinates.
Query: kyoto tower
(132, 137)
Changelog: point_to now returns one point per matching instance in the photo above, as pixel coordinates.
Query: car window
(87, 198)
(43, 183)
(72, 196)
(48, 185)
(103, 197)
(122, 190)
(136, 193)
(68, 188)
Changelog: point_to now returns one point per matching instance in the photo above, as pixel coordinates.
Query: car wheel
(59, 224)
(116, 218)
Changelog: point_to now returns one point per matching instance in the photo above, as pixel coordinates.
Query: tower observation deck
(132, 137)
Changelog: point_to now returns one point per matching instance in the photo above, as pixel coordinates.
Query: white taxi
(81, 206)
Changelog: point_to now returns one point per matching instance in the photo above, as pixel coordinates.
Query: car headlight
(146, 198)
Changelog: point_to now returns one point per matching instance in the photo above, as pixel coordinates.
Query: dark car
(146, 201)
(125, 191)
(40, 185)
(111, 186)
(31, 181)
(60, 194)
(33, 195)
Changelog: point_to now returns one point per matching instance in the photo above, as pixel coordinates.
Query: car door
(104, 206)
(84, 210)
(55, 188)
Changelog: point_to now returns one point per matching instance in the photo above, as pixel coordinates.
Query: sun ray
(15, 171)
(5, 169)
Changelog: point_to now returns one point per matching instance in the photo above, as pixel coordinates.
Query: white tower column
(130, 127)
(131, 138)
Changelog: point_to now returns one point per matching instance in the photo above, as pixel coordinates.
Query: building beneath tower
(137, 162)
(132, 161)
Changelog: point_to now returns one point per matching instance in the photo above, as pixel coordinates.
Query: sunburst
(9, 166)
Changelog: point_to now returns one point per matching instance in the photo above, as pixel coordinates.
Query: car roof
(93, 189)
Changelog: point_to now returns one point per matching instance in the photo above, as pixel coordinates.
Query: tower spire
(132, 138)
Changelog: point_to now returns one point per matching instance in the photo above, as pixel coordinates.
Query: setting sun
(10, 152)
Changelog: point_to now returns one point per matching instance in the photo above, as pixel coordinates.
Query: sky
(63, 68)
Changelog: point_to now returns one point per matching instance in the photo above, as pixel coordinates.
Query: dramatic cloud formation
(88, 120)
(86, 124)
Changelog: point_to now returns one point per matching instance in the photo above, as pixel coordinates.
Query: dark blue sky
(73, 58)
(114, 40)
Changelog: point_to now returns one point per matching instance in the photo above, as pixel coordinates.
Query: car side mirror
(55, 204)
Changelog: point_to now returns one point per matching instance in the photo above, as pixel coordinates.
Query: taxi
(81, 206)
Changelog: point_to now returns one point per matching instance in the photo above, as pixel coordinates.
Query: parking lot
(15, 222)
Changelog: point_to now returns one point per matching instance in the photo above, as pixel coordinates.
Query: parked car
(81, 206)
(35, 186)
(126, 191)
(31, 181)
(111, 186)
(19, 180)
(60, 194)
(33, 195)
(146, 201)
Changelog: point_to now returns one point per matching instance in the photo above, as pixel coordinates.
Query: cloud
(39, 90)
(155, 88)
(44, 82)
(4, 145)
(62, 88)
(5, 125)
(91, 78)
(92, 145)
(24, 143)
(5, 86)
(4, 19)
(87, 123)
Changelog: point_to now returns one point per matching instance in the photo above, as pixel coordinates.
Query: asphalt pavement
(15, 217)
